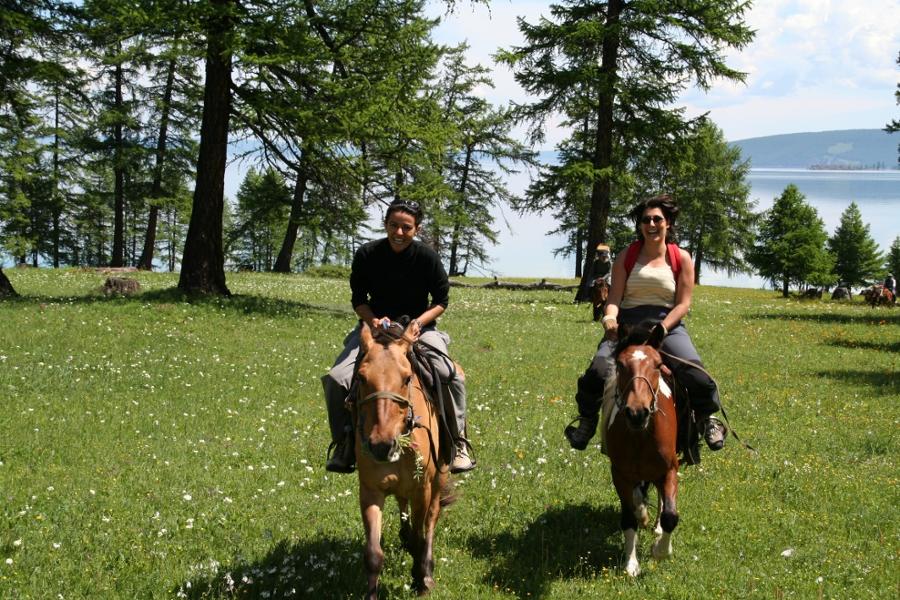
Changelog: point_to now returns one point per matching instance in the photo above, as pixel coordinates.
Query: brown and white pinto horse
(397, 453)
(641, 444)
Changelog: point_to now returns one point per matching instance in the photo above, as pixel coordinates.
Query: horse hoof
(661, 550)
(633, 569)
(425, 586)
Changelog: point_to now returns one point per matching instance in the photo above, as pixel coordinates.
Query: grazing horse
(397, 453)
(641, 443)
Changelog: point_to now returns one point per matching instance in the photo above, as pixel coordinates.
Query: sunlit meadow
(154, 448)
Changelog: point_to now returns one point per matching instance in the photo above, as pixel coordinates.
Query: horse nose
(637, 417)
(380, 450)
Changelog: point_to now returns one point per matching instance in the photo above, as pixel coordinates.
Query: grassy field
(153, 448)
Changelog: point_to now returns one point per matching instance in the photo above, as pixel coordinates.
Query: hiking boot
(714, 433)
(462, 462)
(580, 436)
(342, 458)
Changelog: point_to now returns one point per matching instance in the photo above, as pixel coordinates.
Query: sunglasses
(407, 205)
(655, 219)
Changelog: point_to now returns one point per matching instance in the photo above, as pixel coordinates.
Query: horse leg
(405, 526)
(639, 498)
(426, 510)
(628, 522)
(371, 504)
(668, 515)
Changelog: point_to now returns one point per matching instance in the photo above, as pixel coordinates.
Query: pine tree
(856, 255)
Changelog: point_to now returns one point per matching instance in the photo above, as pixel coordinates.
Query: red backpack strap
(632, 252)
(674, 259)
(631, 255)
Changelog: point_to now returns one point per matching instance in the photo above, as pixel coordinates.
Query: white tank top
(654, 286)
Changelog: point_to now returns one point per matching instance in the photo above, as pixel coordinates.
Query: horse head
(640, 371)
(384, 402)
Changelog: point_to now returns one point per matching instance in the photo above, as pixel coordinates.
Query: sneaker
(714, 433)
(580, 436)
(342, 458)
(462, 462)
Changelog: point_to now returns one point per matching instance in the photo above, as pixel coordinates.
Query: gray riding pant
(337, 381)
(704, 396)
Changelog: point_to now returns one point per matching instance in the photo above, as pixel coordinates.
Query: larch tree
(857, 259)
(790, 246)
(621, 66)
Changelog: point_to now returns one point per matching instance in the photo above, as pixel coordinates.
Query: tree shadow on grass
(866, 345)
(887, 383)
(876, 317)
(324, 568)
(569, 542)
(245, 304)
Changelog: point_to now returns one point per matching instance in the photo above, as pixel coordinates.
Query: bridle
(654, 405)
(393, 397)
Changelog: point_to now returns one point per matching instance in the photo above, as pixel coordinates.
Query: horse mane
(635, 335)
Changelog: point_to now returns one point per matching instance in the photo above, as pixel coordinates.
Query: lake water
(876, 193)
(525, 250)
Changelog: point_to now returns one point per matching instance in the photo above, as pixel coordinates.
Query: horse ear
(365, 337)
(666, 371)
(657, 333)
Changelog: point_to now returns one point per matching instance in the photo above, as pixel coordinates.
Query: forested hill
(845, 149)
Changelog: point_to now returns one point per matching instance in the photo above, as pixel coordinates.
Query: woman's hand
(611, 327)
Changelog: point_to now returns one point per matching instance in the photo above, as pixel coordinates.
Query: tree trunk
(286, 254)
(457, 227)
(784, 288)
(579, 251)
(118, 249)
(145, 262)
(203, 263)
(603, 148)
(6, 288)
(57, 203)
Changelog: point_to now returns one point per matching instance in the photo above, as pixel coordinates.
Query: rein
(721, 406)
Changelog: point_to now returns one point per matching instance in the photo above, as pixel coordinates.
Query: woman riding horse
(652, 280)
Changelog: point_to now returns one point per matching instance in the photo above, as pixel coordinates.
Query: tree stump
(121, 286)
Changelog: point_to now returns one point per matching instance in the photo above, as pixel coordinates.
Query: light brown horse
(397, 453)
(641, 444)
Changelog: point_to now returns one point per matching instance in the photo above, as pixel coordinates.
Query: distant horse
(599, 295)
(601, 267)
(878, 295)
(397, 453)
(641, 443)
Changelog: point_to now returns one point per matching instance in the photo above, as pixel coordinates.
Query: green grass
(151, 447)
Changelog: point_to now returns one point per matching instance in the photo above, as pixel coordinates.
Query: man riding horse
(392, 277)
